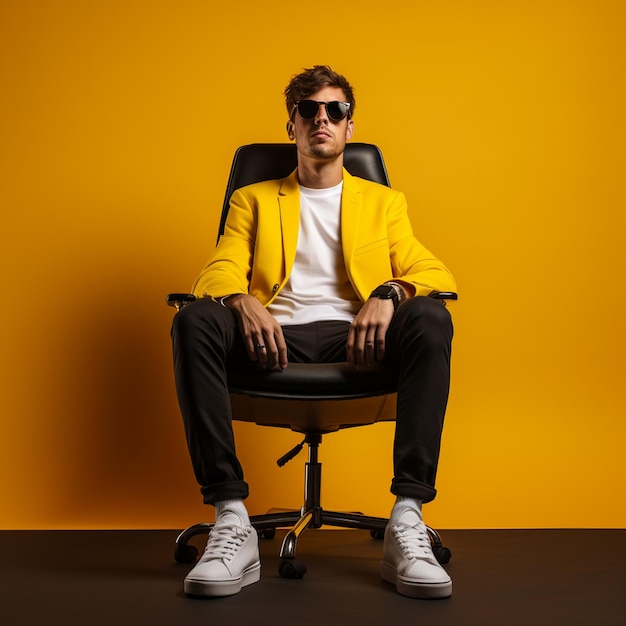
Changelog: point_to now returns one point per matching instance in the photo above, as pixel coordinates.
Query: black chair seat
(312, 397)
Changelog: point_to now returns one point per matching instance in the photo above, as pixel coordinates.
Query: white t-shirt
(318, 288)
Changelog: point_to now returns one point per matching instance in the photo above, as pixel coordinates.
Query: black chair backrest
(266, 161)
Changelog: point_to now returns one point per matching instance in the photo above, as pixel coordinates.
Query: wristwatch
(386, 292)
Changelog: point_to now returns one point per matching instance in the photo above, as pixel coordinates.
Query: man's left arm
(415, 272)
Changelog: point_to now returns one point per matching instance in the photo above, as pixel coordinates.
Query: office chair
(309, 398)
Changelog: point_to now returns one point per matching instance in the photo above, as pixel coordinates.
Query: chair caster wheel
(267, 533)
(185, 553)
(377, 534)
(291, 568)
(442, 554)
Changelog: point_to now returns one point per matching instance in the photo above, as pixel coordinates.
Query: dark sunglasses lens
(337, 110)
(307, 109)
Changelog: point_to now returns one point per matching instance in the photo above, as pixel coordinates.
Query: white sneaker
(409, 562)
(230, 560)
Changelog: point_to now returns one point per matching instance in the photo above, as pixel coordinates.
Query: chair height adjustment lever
(291, 454)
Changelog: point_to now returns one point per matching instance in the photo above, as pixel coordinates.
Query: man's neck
(320, 174)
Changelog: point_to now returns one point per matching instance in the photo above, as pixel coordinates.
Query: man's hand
(366, 337)
(261, 333)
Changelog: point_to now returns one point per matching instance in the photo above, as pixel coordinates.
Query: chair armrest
(443, 295)
(179, 300)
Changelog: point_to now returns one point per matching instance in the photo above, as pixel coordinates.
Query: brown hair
(302, 85)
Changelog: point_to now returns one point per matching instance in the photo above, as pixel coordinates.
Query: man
(318, 267)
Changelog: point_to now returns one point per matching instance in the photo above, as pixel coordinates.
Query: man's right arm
(226, 276)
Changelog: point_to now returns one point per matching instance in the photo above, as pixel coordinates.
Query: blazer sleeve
(411, 262)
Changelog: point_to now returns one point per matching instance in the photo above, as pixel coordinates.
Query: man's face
(320, 137)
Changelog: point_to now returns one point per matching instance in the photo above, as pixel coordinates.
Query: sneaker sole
(218, 588)
(412, 589)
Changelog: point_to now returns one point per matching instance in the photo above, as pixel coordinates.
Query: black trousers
(207, 342)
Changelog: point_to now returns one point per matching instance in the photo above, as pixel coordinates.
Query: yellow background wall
(503, 122)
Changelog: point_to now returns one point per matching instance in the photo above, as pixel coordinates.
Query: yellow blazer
(257, 250)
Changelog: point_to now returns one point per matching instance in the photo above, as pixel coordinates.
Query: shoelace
(413, 541)
(224, 542)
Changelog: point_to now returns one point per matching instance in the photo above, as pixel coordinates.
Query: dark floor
(503, 577)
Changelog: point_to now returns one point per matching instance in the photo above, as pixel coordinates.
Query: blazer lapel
(350, 216)
(289, 207)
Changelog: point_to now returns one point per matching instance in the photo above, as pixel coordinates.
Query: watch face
(384, 291)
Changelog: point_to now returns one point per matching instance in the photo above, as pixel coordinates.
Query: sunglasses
(336, 111)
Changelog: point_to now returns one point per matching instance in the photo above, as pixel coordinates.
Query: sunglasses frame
(330, 117)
